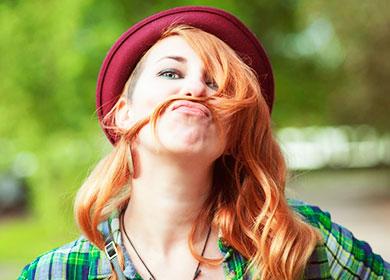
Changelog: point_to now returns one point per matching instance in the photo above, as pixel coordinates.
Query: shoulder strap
(112, 253)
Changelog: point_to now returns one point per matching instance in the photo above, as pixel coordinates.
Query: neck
(163, 207)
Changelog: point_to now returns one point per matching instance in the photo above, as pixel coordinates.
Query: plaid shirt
(341, 256)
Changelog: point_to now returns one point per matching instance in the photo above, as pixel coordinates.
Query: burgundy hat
(130, 47)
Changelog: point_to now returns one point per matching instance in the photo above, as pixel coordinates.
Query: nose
(194, 88)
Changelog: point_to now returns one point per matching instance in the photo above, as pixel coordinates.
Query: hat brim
(131, 46)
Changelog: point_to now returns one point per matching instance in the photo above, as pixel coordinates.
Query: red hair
(247, 200)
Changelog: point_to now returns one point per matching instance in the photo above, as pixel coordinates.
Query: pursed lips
(192, 106)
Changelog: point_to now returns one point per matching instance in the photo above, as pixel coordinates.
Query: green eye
(169, 74)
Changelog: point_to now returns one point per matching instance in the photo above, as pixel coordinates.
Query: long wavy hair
(247, 200)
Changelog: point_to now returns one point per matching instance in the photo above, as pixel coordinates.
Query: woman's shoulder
(310, 213)
(347, 256)
(79, 259)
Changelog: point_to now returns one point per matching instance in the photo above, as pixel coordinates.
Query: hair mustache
(205, 101)
(161, 108)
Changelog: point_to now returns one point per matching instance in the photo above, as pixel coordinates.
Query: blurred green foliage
(331, 61)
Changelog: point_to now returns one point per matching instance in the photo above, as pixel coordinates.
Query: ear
(122, 115)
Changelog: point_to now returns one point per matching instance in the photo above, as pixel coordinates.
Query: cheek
(143, 106)
(146, 98)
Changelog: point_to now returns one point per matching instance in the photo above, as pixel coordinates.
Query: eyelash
(164, 73)
(211, 84)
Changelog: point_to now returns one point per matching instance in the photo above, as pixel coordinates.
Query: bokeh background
(331, 61)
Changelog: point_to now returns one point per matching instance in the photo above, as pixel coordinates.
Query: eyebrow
(177, 58)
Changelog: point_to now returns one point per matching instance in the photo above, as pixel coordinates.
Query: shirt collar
(100, 266)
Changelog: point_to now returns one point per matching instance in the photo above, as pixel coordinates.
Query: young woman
(194, 186)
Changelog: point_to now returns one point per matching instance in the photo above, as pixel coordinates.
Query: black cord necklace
(197, 271)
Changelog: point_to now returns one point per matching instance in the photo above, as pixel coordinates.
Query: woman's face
(172, 68)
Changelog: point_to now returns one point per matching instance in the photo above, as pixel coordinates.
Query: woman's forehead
(174, 48)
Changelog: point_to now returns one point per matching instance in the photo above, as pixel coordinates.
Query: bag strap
(112, 254)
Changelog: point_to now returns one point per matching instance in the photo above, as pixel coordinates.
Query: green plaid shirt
(341, 256)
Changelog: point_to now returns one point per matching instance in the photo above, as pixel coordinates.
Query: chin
(184, 147)
(205, 151)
